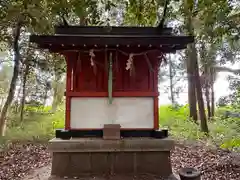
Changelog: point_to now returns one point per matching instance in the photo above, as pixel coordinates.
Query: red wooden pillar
(155, 101)
(68, 90)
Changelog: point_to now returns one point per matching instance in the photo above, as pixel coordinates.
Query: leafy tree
(233, 99)
(16, 16)
(217, 37)
(21, 17)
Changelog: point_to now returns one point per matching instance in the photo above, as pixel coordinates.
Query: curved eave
(111, 30)
(70, 42)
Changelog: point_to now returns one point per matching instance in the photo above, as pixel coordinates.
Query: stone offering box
(112, 118)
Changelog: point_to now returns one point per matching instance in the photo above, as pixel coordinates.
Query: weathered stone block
(80, 164)
(157, 163)
(100, 163)
(60, 164)
(111, 131)
(123, 163)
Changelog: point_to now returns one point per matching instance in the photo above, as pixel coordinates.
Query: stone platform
(87, 157)
(118, 177)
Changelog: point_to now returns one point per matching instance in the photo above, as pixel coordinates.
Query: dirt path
(39, 174)
(44, 174)
(31, 162)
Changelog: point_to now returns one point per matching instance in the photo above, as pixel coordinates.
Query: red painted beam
(115, 94)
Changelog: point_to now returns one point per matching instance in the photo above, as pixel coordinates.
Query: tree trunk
(192, 101)
(13, 83)
(203, 119)
(225, 69)
(1, 104)
(82, 20)
(18, 96)
(193, 69)
(212, 100)
(207, 95)
(198, 86)
(212, 80)
(202, 115)
(25, 75)
(171, 82)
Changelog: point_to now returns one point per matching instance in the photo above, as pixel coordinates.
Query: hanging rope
(92, 56)
(130, 65)
(110, 79)
(129, 62)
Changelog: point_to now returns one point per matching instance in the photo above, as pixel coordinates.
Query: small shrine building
(112, 98)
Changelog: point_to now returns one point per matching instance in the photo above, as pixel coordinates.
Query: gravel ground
(32, 162)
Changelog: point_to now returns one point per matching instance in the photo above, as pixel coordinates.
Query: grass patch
(38, 126)
(224, 133)
(178, 123)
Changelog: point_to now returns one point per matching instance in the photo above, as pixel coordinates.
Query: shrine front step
(117, 177)
(92, 157)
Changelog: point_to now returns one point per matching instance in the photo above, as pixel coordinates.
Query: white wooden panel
(134, 112)
(88, 112)
(128, 112)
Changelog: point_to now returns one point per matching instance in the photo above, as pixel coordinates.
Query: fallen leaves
(213, 164)
(20, 160)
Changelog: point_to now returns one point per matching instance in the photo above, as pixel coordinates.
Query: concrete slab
(100, 145)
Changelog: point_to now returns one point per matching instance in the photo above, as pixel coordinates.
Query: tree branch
(226, 69)
(161, 24)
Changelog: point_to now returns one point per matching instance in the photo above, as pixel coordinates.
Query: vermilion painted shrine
(112, 79)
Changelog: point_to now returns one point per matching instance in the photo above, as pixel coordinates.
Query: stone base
(117, 177)
(86, 157)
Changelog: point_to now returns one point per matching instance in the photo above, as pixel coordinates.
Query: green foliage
(178, 123)
(35, 109)
(233, 98)
(37, 127)
(224, 132)
(138, 14)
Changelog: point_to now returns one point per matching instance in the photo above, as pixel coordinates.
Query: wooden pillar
(155, 87)
(68, 90)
